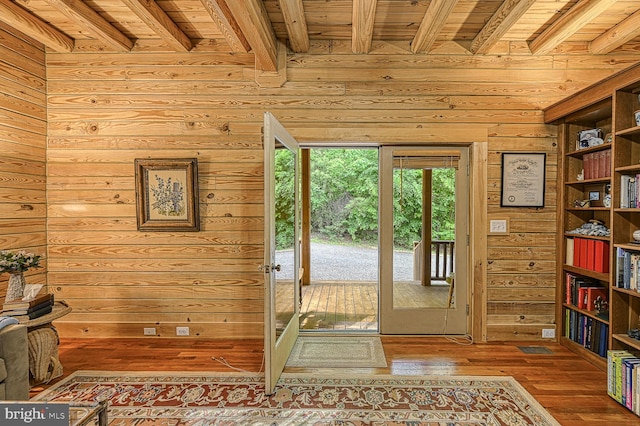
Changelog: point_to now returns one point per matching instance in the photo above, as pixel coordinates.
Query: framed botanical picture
(523, 179)
(167, 194)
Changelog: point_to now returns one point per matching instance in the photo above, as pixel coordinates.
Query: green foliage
(344, 198)
(284, 199)
(344, 193)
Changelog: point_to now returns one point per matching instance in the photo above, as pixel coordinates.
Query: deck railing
(442, 259)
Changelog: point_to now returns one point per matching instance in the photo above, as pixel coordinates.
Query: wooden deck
(353, 305)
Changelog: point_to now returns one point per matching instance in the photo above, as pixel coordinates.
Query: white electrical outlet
(548, 333)
(149, 331)
(182, 331)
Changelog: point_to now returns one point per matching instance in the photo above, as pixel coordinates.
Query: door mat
(341, 352)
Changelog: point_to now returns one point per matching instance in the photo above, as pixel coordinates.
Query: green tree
(344, 198)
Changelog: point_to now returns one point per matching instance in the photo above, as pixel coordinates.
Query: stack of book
(623, 374)
(25, 310)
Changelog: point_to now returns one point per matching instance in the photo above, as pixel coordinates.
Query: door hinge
(467, 310)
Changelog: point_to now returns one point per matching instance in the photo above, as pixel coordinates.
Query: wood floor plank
(569, 387)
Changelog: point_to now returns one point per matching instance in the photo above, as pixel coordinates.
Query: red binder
(601, 256)
(591, 255)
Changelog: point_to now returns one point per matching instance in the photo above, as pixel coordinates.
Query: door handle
(268, 268)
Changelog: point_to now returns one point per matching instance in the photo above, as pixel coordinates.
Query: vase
(15, 289)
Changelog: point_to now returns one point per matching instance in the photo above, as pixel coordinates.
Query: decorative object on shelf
(636, 235)
(637, 117)
(634, 333)
(580, 176)
(602, 306)
(16, 263)
(582, 204)
(593, 228)
(585, 138)
(608, 138)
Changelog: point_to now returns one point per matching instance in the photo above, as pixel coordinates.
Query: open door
(281, 248)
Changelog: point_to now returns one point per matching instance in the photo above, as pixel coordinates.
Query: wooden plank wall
(23, 130)
(106, 109)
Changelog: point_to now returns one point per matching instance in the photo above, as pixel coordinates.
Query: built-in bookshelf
(599, 212)
(586, 143)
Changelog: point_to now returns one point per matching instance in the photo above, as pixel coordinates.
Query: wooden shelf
(587, 313)
(632, 293)
(630, 131)
(581, 152)
(623, 338)
(587, 273)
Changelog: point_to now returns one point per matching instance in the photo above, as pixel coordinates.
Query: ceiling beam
(509, 12)
(363, 17)
(567, 24)
(29, 24)
(431, 25)
(254, 22)
(227, 25)
(615, 37)
(296, 23)
(157, 19)
(78, 11)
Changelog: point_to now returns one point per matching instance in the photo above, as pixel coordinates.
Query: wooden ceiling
(475, 27)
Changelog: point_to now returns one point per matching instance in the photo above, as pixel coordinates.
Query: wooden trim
(478, 241)
(305, 249)
(591, 94)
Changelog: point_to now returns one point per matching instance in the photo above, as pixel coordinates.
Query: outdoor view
(344, 229)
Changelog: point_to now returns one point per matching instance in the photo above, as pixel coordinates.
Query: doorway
(343, 290)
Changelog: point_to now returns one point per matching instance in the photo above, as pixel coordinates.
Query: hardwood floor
(570, 388)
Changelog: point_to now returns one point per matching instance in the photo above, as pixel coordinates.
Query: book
(34, 314)
(26, 304)
(14, 312)
(570, 252)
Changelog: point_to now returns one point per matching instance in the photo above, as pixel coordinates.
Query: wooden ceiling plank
(296, 23)
(509, 12)
(254, 22)
(227, 25)
(625, 31)
(431, 25)
(29, 24)
(569, 23)
(363, 18)
(89, 18)
(157, 19)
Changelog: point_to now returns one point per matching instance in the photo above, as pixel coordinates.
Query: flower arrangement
(17, 261)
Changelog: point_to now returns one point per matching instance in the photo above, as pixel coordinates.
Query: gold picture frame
(167, 194)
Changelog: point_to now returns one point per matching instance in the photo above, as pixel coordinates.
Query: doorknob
(267, 269)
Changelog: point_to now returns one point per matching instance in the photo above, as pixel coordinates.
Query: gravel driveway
(338, 262)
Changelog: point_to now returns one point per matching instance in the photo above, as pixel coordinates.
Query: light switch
(498, 226)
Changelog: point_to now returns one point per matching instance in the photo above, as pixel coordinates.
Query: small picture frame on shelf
(599, 195)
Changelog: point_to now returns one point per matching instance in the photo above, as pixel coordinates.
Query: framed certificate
(523, 178)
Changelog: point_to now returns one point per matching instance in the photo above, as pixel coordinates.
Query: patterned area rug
(199, 399)
(336, 352)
